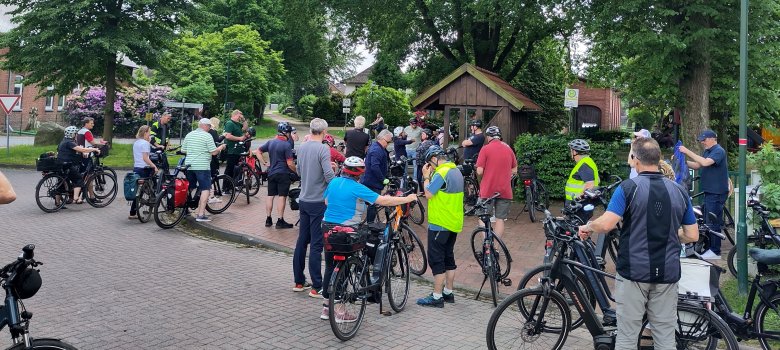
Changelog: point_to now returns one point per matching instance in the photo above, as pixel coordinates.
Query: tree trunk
(257, 111)
(108, 111)
(695, 88)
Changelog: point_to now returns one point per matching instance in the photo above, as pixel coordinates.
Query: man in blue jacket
(376, 167)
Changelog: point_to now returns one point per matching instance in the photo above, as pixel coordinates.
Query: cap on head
(205, 121)
(642, 133)
(707, 134)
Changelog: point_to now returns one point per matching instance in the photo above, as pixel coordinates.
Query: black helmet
(476, 122)
(579, 145)
(412, 120)
(433, 151)
(493, 131)
(428, 132)
(284, 127)
(27, 283)
(251, 131)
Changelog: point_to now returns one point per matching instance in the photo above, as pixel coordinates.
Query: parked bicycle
(54, 190)
(22, 281)
(764, 236)
(401, 179)
(248, 178)
(494, 261)
(470, 183)
(536, 196)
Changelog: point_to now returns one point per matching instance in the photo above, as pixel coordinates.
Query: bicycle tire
(246, 185)
(500, 336)
(476, 249)
(397, 278)
(253, 183)
(44, 344)
(542, 197)
(52, 185)
(104, 186)
(164, 217)
(493, 279)
(345, 294)
(529, 203)
(145, 202)
(217, 185)
(763, 317)
(415, 250)
(470, 193)
(691, 321)
(417, 212)
(580, 279)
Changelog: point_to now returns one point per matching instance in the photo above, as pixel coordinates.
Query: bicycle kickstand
(480, 288)
(382, 310)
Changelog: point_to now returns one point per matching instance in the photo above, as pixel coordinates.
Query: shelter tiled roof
(360, 78)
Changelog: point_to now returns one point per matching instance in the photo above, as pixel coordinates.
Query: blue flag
(680, 166)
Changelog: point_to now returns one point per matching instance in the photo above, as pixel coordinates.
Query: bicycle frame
(743, 325)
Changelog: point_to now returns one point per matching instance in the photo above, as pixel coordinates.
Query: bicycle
(536, 196)
(355, 277)
(54, 190)
(470, 183)
(548, 317)
(247, 178)
(765, 236)
(21, 281)
(400, 176)
(489, 258)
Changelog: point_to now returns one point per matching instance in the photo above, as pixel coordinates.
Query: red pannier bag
(181, 187)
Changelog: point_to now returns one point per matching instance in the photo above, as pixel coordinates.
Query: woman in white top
(142, 164)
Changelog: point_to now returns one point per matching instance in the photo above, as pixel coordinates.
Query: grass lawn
(336, 132)
(120, 156)
(266, 129)
(730, 290)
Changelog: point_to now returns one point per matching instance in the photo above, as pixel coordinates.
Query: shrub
(607, 136)
(329, 108)
(553, 163)
(371, 99)
(767, 161)
(306, 106)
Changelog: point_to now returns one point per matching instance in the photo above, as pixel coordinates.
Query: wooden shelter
(469, 93)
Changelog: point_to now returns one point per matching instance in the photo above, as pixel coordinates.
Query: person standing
(714, 173)
(444, 189)
(199, 146)
(376, 162)
(217, 139)
(399, 143)
(427, 141)
(496, 163)
(377, 125)
(161, 131)
(356, 139)
(316, 173)
(234, 133)
(653, 208)
(280, 166)
(413, 133)
(85, 137)
(585, 173)
(142, 164)
(474, 144)
(640, 133)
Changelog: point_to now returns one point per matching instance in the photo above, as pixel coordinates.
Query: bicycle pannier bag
(293, 195)
(698, 280)
(131, 186)
(180, 192)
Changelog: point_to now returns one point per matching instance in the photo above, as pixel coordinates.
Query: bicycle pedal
(506, 282)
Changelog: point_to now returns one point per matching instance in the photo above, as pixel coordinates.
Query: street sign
(346, 103)
(148, 117)
(174, 104)
(571, 98)
(9, 101)
(345, 110)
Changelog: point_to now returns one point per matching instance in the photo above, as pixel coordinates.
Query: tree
(371, 99)
(201, 61)
(386, 71)
(64, 43)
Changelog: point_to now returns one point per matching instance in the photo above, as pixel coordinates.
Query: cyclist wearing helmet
(346, 200)
(280, 166)
(400, 142)
(335, 155)
(585, 174)
(68, 151)
(233, 132)
(422, 151)
(444, 189)
(495, 165)
(376, 162)
(474, 144)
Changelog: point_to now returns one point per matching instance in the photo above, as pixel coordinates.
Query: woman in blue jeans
(142, 164)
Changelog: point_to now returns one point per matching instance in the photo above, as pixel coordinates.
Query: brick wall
(19, 118)
(607, 100)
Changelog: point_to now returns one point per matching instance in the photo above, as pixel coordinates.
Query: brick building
(598, 107)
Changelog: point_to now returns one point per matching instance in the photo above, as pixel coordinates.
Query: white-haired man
(357, 139)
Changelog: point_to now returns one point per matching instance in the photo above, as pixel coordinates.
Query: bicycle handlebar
(482, 204)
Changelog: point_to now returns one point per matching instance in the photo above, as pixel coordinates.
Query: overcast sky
(5, 20)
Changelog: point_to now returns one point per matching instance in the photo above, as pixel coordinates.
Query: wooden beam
(446, 127)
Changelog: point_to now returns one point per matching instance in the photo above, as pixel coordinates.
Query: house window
(61, 103)
(18, 88)
(49, 98)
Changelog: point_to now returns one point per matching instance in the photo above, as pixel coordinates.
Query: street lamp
(236, 52)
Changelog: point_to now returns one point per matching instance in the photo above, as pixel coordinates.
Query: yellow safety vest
(446, 209)
(575, 187)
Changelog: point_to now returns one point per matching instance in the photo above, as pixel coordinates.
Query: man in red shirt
(495, 165)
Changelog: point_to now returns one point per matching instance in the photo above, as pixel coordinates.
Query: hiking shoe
(300, 287)
(449, 298)
(431, 301)
(609, 321)
(315, 294)
(345, 317)
(269, 222)
(202, 218)
(324, 315)
(709, 255)
(281, 223)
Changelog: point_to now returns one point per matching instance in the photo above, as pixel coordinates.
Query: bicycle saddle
(765, 256)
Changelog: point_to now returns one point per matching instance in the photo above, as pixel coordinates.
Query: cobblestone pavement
(114, 283)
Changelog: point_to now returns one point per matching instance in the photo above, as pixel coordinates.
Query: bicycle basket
(27, 283)
(699, 280)
(293, 196)
(526, 172)
(47, 164)
(344, 239)
(467, 168)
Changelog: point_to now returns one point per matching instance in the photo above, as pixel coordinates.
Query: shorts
(501, 209)
(441, 255)
(199, 178)
(279, 185)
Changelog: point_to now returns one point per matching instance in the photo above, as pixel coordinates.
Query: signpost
(571, 99)
(346, 103)
(8, 102)
(183, 105)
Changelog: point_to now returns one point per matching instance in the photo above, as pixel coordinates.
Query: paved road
(111, 283)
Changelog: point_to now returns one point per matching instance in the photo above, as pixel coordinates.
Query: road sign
(345, 110)
(9, 101)
(148, 117)
(175, 104)
(571, 98)
(346, 103)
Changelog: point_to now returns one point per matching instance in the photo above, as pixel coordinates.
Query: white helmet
(354, 166)
(70, 132)
(398, 130)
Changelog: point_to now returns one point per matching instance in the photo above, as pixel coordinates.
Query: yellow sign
(149, 117)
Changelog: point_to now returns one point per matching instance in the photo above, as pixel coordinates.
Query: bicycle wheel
(697, 328)
(102, 185)
(417, 212)
(44, 344)
(415, 250)
(508, 328)
(502, 256)
(398, 278)
(542, 199)
(166, 215)
(347, 300)
(767, 321)
(492, 277)
(51, 193)
(251, 180)
(470, 193)
(529, 203)
(220, 200)
(531, 279)
(145, 201)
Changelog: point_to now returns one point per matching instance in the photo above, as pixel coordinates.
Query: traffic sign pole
(7, 102)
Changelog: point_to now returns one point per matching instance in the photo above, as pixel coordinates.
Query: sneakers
(269, 222)
(315, 294)
(280, 223)
(345, 316)
(709, 255)
(300, 287)
(213, 200)
(325, 315)
(431, 301)
(202, 218)
(448, 298)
